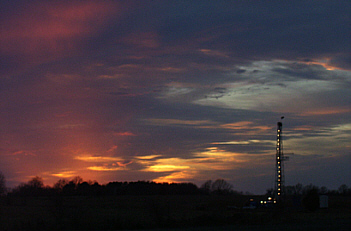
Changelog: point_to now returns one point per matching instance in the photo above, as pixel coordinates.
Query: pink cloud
(23, 152)
(124, 134)
(50, 30)
(114, 147)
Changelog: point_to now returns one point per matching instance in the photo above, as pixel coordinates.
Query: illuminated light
(278, 189)
(278, 194)
(278, 175)
(275, 202)
(278, 157)
(269, 198)
(261, 202)
(278, 166)
(278, 162)
(278, 179)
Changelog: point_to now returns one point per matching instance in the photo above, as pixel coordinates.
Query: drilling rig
(278, 195)
(280, 158)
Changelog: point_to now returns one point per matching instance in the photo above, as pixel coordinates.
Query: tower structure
(279, 173)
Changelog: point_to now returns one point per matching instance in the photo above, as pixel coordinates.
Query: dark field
(177, 212)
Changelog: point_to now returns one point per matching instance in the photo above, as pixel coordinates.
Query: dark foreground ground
(196, 212)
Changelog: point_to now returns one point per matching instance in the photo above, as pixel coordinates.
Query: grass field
(195, 212)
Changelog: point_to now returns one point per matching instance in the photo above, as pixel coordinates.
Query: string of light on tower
(279, 184)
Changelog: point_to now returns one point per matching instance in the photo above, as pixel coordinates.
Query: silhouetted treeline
(78, 187)
(300, 189)
(2, 184)
(218, 187)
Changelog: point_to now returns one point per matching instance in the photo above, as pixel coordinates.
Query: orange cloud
(214, 53)
(166, 165)
(149, 157)
(23, 152)
(222, 156)
(246, 126)
(238, 125)
(124, 134)
(175, 177)
(65, 174)
(165, 168)
(114, 147)
(104, 168)
(98, 158)
(327, 111)
(209, 160)
(322, 62)
(304, 128)
(121, 164)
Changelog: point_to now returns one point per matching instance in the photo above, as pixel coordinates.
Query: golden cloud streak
(175, 177)
(104, 168)
(98, 158)
(149, 157)
(212, 158)
(165, 168)
(64, 174)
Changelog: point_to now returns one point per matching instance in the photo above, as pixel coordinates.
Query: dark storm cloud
(276, 29)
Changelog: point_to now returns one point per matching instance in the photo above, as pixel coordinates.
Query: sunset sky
(175, 91)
